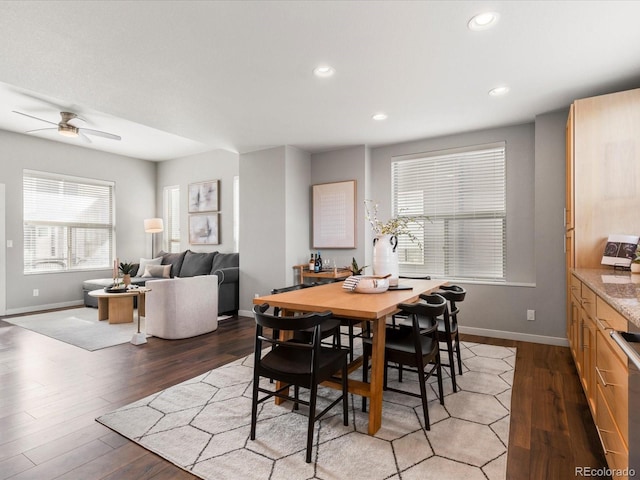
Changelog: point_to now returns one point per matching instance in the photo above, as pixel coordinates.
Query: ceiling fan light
(67, 131)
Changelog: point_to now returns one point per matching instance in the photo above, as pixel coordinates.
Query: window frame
(69, 231)
(450, 262)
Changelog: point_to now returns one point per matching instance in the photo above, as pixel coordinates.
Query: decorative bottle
(312, 263)
(318, 265)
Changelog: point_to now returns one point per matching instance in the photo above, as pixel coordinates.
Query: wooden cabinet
(602, 368)
(602, 198)
(603, 172)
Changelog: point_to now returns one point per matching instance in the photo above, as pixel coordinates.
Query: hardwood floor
(51, 393)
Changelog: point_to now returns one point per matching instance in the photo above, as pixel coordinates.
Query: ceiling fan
(70, 126)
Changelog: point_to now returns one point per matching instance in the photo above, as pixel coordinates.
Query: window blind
(172, 218)
(68, 222)
(463, 195)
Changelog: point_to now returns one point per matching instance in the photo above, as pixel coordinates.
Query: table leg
(121, 309)
(103, 308)
(377, 375)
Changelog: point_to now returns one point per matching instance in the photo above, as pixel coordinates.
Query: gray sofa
(188, 264)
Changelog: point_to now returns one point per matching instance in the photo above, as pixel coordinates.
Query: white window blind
(463, 194)
(172, 218)
(68, 223)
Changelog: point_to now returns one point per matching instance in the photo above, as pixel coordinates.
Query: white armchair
(182, 307)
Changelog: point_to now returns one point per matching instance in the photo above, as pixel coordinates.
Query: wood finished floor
(51, 393)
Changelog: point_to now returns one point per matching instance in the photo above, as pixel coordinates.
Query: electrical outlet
(36, 292)
(531, 315)
(256, 295)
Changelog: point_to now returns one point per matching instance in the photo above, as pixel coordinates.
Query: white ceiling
(174, 78)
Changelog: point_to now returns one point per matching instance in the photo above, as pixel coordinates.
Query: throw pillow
(174, 259)
(147, 261)
(196, 264)
(157, 271)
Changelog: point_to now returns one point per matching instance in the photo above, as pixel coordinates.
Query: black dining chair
(296, 363)
(415, 346)
(448, 328)
(330, 328)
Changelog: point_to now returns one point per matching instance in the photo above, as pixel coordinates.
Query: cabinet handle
(564, 216)
(603, 324)
(604, 447)
(602, 380)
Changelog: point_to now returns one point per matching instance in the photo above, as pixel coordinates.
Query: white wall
(219, 165)
(135, 200)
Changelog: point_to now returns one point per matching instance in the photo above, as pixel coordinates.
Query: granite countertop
(619, 288)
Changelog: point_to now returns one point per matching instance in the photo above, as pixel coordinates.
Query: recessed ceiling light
(496, 92)
(483, 21)
(380, 116)
(323, 71)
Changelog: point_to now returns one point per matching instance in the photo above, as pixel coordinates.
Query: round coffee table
(118, 307)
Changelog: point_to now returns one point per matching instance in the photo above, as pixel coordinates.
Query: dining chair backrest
(424, 314)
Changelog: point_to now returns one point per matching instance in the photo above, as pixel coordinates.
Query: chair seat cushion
(401, 340)
(295, 362)
(442, 329)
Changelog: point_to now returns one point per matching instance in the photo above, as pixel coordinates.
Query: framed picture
(203, 229)
(203, 196)
(334, 215)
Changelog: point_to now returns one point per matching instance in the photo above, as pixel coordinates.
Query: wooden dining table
(367, 307)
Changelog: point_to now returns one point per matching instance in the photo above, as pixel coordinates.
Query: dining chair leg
(458, 353)
(345, 393)
(423, 393)
(439, 373)
(254, 406)
(296, 395)
(350, 342)
(312, 419)
(365, 374)
(452, 365)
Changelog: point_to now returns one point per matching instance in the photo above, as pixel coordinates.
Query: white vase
(385, 257)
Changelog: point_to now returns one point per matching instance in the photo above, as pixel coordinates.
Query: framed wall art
(334, 215)
(204, 229)
(203, 196)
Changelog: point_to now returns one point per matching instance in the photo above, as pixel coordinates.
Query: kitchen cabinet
(602, 198)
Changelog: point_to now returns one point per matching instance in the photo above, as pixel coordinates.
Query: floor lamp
(153, 225)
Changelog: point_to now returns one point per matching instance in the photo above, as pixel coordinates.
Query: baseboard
(523, 337)
(38, 308)
(245, 313)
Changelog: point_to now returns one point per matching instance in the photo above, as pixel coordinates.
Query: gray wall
(215, 165)
(135, 200)
(535, 199)
(274, 219)
(337, 166)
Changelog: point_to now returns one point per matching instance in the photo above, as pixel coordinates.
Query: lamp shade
(153, 225)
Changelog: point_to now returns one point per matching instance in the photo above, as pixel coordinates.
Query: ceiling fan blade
(98, 133)
(83, 137)
(40, 130)
(36, 118)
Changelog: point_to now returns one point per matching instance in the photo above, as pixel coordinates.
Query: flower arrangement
(398, 225)
(636, 259)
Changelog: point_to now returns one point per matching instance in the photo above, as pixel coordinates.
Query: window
(172, 218)
(68, 223)
(463, 194)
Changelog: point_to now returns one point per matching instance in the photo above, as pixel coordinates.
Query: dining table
(373, 308)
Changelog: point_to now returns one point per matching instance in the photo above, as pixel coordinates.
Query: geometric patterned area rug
(202, 425)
